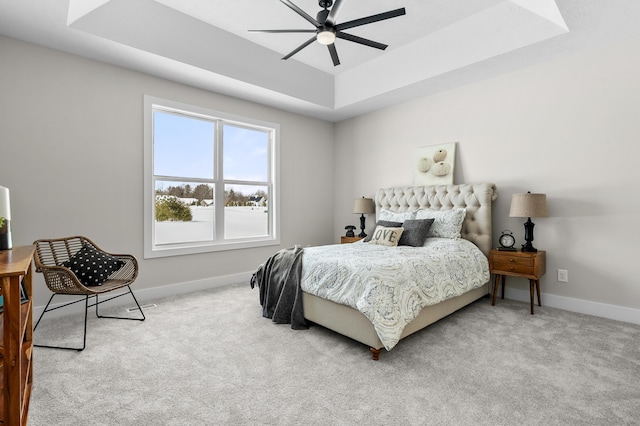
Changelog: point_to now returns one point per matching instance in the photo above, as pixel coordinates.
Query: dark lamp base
(362, 226)
(528, 237)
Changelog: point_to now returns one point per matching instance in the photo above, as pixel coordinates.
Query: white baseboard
(614, 312)
(145, 295)
(150, 294)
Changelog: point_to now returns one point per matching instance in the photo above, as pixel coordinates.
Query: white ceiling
(437, 45)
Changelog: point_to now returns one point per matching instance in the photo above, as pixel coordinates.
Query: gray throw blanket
(280, 293)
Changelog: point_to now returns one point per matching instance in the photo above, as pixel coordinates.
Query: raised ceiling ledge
(149, 26)
(497, 30)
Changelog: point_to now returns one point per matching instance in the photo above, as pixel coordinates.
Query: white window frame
(151, 250)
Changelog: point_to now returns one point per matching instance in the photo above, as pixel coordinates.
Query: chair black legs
(123, 294)
(46, 309)
(86, 309)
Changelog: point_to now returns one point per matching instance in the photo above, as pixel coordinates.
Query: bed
(475, 198)
(362, 277)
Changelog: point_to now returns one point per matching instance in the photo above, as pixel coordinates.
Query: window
(210, 180)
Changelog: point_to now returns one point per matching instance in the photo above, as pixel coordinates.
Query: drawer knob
(512, 260)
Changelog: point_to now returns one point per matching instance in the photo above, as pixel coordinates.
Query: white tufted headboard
(476, 198)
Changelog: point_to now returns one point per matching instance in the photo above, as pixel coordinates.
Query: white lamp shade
(363, 206)
(529, 205)
(5, 206)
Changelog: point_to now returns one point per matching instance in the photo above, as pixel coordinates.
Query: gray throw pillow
(415, 232)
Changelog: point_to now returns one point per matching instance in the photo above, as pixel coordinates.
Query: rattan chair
(49, 258)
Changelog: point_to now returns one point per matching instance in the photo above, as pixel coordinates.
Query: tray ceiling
(437, 45)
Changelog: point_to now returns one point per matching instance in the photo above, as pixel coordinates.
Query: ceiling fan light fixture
(326, 36)
(326, 28)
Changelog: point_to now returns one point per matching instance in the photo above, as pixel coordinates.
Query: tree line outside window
(205, 192)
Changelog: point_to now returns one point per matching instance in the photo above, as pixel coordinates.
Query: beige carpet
(209, 358)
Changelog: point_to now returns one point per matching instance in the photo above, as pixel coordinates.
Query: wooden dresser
(16, 327)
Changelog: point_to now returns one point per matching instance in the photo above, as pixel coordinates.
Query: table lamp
(363, 206)
(528, 205)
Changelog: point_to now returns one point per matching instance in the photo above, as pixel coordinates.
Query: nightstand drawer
(514, 264)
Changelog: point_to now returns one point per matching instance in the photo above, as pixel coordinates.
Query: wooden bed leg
(375, 353)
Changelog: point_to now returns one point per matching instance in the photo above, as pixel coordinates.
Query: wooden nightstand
(349, 240)
(517, 264)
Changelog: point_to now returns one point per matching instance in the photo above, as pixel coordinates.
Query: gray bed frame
(476, 198)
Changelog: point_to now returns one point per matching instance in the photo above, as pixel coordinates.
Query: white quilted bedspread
(390, 285)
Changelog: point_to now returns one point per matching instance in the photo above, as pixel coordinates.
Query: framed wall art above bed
(435, 165)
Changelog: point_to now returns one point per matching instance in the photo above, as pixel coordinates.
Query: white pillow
(446, 223)
(390, 216)
(386, 236)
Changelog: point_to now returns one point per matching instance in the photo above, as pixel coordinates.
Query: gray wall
(568, 128)
(71, 147)
(71, 152)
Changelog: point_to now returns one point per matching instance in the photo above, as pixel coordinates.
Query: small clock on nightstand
(507, 241)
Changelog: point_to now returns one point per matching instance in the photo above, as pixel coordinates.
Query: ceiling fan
(327, 30)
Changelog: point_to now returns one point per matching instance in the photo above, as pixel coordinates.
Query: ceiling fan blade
(282, 31)
(370, 19)
(356, 39)
(334, 54)
(331, 19)
(299, 48)
(302, 13)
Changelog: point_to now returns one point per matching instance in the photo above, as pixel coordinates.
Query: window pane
(246, 211)
(184, 212)
(193, 154)
(182, 146)
(246, 154)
